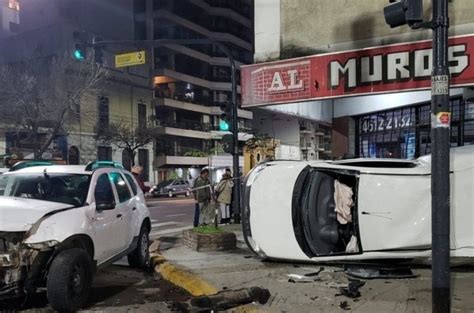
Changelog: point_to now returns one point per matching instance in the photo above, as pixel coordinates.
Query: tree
(126, 137)
(41, 97)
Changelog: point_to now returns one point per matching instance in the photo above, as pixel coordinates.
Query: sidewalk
(239, 269)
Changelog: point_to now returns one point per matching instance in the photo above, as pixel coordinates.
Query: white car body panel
(393, 208)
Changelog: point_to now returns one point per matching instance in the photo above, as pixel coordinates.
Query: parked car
(171, 188)
(61, 222)
(355, 209)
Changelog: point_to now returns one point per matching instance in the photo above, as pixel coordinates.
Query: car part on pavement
(367, 272)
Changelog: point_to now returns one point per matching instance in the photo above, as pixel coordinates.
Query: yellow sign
(129, 59)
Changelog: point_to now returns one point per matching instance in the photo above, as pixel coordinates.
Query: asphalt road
(170, 216)
(120, 288)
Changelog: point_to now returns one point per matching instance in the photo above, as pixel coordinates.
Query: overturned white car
(355, 209)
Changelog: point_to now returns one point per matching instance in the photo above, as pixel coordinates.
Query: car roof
(69, 169)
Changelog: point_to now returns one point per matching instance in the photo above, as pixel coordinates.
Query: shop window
(406, 132)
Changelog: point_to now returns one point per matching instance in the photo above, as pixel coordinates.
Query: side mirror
(105, 206)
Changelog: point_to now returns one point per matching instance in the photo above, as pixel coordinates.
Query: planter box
(209, 242)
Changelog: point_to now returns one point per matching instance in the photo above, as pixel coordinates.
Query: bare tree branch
(41, 97)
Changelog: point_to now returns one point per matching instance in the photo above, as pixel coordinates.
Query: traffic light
(98, 52)
(225, 123)
(227, 143)
(80, 45)
(403, 12)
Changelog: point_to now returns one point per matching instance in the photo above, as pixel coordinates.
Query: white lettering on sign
(349, 70)
(399, 66)
(374, 124)
(278, 83)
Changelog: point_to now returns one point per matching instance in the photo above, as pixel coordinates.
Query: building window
(103, 114)
(14, 5)
(74, 156)
(143, 160)
(142, 115)
(104, 154)
(406, 132)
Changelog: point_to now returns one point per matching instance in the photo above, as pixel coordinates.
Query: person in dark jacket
(202, 194)
(137, 171)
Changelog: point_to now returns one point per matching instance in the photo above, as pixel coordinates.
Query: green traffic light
(78, 54)
(224, 126)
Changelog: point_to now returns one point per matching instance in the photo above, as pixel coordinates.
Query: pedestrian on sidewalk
(224, 197)
(202, 194)
(231, 205)
(137, 172)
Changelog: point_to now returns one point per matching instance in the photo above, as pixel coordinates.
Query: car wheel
(140, 257)
(69, 280)
(170, 194)
(188, 194)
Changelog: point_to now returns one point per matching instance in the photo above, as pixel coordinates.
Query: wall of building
(288, 28)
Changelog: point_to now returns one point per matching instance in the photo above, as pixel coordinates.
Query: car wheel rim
(187, 193)
(76, 285)
(170, 194)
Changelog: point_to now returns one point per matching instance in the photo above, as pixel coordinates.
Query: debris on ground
(369, 272)
(352, 290)
(344, 305)
(305, 278)
(227, 299)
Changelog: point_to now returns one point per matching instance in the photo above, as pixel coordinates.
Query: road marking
(154, 225)
(169, 231)
(175, 215)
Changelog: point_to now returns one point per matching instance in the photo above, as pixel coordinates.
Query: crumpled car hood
(18, 214)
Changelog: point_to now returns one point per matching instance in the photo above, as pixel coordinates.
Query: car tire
(170, 194)
(69, 280)
(140, 257)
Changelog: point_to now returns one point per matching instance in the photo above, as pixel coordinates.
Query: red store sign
(392, 68)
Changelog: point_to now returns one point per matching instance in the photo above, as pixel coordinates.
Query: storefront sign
(374, 70)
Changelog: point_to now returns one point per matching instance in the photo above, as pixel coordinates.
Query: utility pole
(440, 161)
(411, 12)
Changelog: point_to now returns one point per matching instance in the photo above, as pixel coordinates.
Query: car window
(121, 186)
(55, 187)
(132, 183)
(103, 190)
(176, 182)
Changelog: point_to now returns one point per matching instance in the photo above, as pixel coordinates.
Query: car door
(108, 224)
(134, 221)
(125, 206)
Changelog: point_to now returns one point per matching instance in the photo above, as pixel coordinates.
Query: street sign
(130, 59)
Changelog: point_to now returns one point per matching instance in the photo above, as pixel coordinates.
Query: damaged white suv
(58, 223)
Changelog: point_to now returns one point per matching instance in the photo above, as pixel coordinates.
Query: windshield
(63, 188)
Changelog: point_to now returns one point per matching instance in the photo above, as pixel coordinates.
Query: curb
(180, 277)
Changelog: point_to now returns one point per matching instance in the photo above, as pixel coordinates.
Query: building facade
(341, 58)
(192, 82)
(47, 27)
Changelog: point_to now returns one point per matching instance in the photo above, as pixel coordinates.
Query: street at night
(237, 156)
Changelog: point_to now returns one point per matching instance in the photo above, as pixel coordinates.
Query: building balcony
(225, 37)
(175, 130)
(171, 75)
(168, 160)
(188, 106)
(225, 12)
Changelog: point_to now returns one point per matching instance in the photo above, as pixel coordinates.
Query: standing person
(137, 172)
(203, 196)
(224, 197)
(231, 205)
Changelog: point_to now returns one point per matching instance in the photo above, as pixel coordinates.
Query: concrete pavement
(239, 269)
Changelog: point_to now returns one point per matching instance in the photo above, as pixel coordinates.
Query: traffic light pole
(440, 160)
